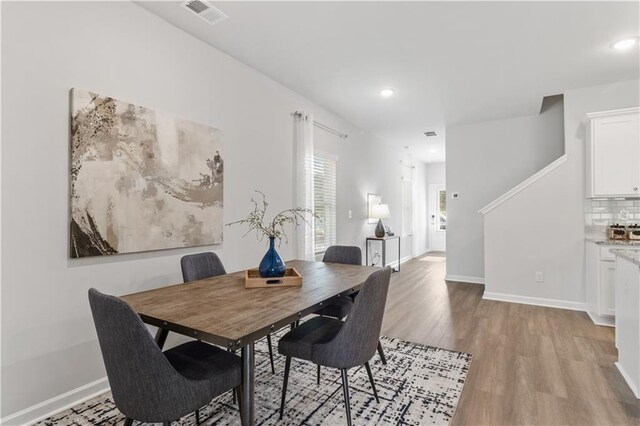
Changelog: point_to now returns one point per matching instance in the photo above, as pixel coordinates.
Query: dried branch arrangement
(276, 228)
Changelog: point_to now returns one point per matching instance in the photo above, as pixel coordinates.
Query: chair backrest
(200, 266)
(358, 339)
(145, 386)
(350, 255)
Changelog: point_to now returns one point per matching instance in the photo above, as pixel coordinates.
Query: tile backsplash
(598, 214)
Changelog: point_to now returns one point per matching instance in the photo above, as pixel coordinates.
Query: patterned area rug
(419, 385)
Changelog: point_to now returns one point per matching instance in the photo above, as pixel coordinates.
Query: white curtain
(303, 147)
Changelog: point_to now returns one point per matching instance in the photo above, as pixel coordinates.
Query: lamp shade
(380, 211)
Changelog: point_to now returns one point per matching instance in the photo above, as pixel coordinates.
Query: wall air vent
(430, 133)
(205, 11)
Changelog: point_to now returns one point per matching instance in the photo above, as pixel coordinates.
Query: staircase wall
(485, 160)
(541, 228)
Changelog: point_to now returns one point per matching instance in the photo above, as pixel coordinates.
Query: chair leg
(345, 390)
(373, 384)
(128, 421)
(273, 368)
(198, 416)
(287, 367)
(381, 353)
(318, 373)
(237, 393)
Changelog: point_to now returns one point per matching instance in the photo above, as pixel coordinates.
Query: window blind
(324, 200)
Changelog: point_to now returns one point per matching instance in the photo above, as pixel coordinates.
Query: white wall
(542, 227)
(48, 341)
(485, 160)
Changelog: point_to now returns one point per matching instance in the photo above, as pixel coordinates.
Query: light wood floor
(531, 365)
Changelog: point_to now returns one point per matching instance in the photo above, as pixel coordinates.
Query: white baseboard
(425, 251)
(59, 403)
(465, 279)
(602, 320)
(627, 379)
(536, 301)
(407, 258)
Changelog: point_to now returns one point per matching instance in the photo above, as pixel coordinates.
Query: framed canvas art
(141, 179)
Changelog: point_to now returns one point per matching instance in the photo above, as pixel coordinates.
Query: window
(324, 201)
(442, 210)
(407, 207)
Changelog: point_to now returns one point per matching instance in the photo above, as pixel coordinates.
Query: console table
(383, 241)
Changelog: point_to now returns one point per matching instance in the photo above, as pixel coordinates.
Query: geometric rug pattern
(419, 385)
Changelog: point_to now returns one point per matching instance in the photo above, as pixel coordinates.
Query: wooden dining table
(221, 311)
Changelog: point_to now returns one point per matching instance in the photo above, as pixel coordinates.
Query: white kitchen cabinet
(600, 275)
(607, 300)
(613, 153)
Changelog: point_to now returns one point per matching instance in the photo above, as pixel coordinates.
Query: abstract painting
(141, 179)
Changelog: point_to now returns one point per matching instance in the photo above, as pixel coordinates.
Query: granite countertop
(630, 255)
(604, 241)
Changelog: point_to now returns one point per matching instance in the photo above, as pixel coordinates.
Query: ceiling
(448, 62)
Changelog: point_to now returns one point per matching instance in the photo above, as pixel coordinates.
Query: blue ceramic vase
(272, 264)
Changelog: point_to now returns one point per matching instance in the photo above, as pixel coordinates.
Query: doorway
(438, 217)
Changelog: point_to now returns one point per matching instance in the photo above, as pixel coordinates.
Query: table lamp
(380, 211)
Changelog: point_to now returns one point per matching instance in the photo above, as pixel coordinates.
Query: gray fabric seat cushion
(200, 361)
(299, 342)
(338, 308)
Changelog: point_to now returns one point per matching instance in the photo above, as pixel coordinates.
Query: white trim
(528, 182)
(465, 279)
(425, 251)
(605, 321)
(627, 378)
(402, 260)
(59, 403)
(632, 110)
(536, 301)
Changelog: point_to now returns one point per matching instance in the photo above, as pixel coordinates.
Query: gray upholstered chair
(200, 266)
(149, 385)
(337, 344)
(349, 255)
(205, 265)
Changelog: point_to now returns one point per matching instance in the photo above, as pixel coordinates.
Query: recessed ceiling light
(387, 93)
(625, 44)
(433, 151)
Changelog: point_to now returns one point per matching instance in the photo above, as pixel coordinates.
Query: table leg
(248, 385)
(366, 251)
(384, 253)
(161, 337)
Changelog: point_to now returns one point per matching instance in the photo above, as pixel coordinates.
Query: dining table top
(222, 311)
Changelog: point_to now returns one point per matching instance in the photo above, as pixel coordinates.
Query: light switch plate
(350, 214)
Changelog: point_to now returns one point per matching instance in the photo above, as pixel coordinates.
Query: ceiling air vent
(430, 133)
(205, 11)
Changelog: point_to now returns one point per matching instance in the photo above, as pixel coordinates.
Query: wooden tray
(292, 278)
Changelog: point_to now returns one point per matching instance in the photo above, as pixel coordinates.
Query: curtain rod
(324, 127)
